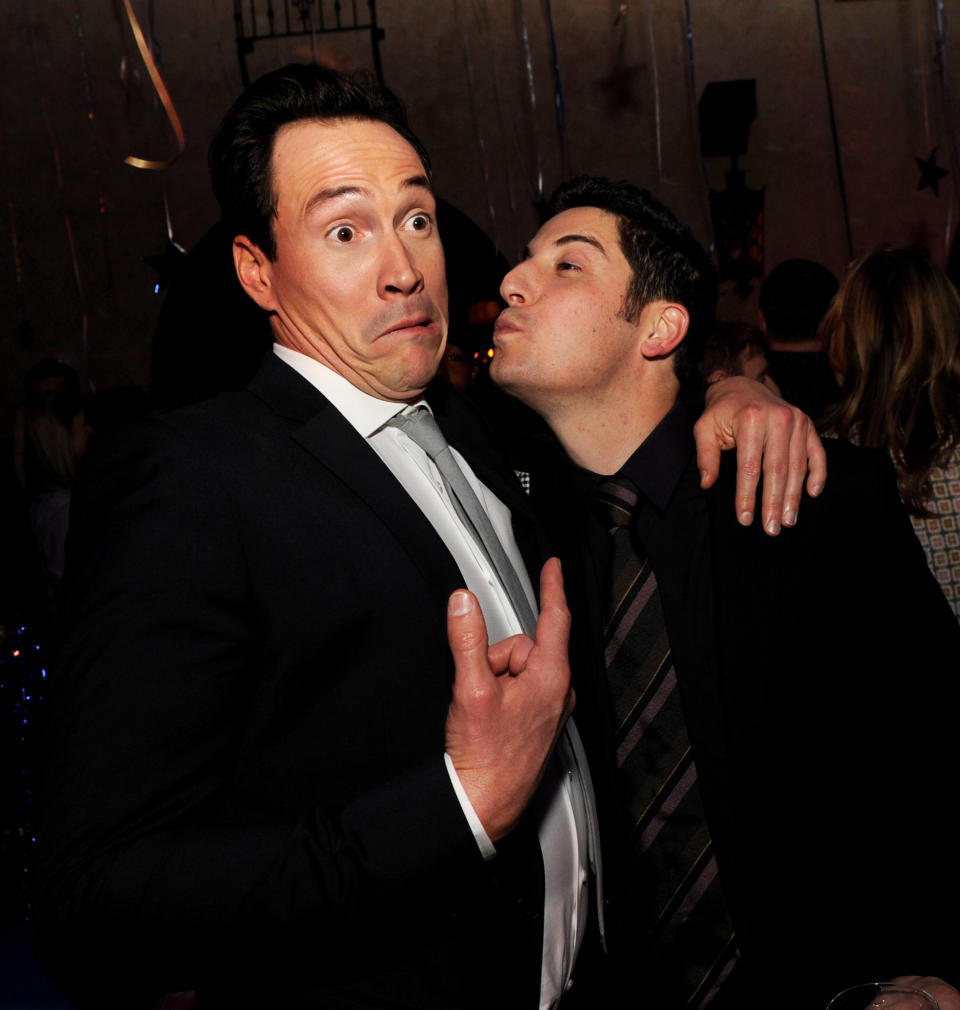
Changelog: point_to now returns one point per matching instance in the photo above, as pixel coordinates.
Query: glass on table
(883, 995)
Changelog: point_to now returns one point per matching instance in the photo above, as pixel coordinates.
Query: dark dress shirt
(817, 672)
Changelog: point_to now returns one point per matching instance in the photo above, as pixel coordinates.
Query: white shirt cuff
(487, 849)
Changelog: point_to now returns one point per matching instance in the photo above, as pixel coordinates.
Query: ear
(717, 375)
(253, 271)
(666, 326)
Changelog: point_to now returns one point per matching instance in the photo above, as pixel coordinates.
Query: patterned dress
(940, 535)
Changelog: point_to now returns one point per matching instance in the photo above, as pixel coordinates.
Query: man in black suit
(279, 775)
(798, 789)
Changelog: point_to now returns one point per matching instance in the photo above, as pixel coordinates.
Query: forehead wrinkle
(352, 189)
(331, 193)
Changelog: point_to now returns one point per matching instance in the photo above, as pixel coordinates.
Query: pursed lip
(411, 323)
(504, 324)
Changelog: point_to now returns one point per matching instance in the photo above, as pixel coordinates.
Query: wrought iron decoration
(261, 20)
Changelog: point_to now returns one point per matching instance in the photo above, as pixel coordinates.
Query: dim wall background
(510, 96)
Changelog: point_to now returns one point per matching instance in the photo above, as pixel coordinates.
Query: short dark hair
(667, 261)
(794, 297)
(243, 145)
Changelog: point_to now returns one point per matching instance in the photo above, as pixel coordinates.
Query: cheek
(435, 277)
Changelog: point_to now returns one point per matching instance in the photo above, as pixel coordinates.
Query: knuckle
(467, 640)
(753, 414)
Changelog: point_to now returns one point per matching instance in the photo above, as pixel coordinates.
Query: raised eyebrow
(417, 182)
(331, 193)
(348, 189)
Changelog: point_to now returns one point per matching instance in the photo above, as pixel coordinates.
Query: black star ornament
(930, 173)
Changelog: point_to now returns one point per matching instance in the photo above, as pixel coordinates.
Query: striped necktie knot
(616, 500)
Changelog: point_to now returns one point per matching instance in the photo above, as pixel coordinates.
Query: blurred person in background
(735, 348)
(55, 437)
(893, 335)
(793, 299)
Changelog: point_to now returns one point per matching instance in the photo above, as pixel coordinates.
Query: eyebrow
(566, 240)
(348, 189)
(589, 239)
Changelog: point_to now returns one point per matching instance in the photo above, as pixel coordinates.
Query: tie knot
(422, 429)
(616, 500)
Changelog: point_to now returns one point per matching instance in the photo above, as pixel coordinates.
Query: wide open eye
(343, 233)
(420, 222)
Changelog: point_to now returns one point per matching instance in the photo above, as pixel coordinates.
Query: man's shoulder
(856, 477)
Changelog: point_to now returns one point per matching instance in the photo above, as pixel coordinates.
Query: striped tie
(684, 930)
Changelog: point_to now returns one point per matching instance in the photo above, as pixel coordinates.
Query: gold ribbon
(161, 91)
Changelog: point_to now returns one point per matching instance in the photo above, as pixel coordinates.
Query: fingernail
(815, 490)
(746, 518)
(789, 518)
(773, 527)
(461, 602)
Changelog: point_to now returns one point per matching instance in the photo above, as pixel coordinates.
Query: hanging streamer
(162, 93)
(68, 227)
(79, 282)
(658, 129)
(538, 196)
(475, 112)
(507, 163)
(833, 131)
(940, 18)
(17, 265)
(695, 121)
(691, 66)
(557, 91)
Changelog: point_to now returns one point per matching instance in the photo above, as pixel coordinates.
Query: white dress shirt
(564, 800)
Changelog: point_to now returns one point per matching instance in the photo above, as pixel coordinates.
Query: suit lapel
(324, 432)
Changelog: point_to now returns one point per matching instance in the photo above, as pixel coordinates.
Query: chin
(500, 373)
(417, 373)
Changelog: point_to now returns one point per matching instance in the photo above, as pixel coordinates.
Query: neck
(603, 433)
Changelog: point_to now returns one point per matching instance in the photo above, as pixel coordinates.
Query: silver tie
(422, 429)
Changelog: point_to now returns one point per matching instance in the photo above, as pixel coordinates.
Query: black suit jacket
(819, 676)
(246, 793)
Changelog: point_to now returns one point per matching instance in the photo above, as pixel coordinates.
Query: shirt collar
(657, 464)
(365, 412)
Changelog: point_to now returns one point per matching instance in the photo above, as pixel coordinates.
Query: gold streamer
(164, 95)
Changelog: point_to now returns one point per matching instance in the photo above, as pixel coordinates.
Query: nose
(515, 287)
(399, 273)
